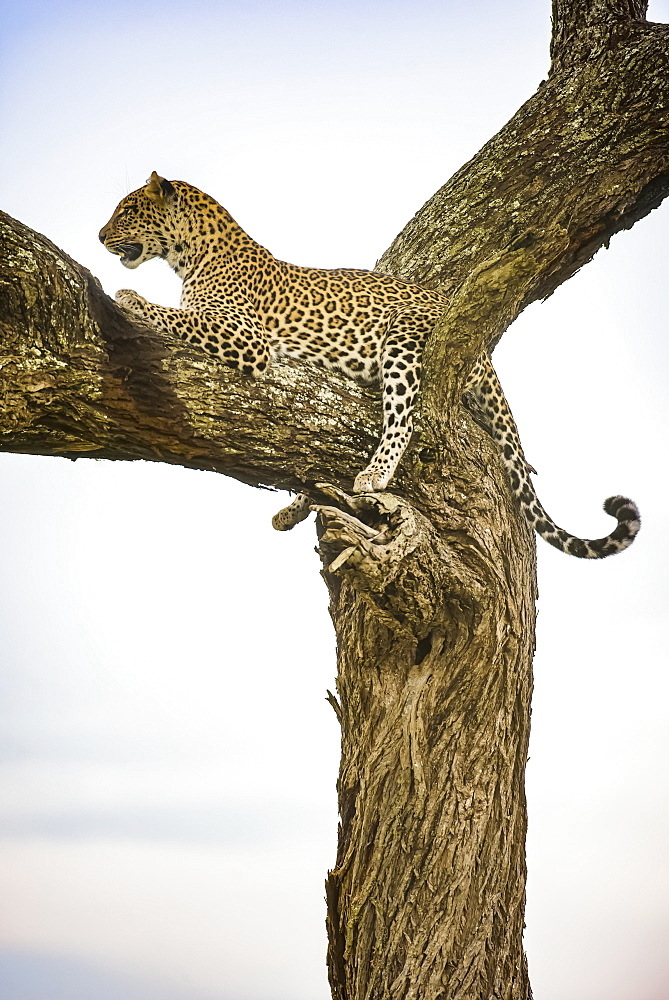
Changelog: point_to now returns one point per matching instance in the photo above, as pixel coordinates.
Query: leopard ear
(159, 190)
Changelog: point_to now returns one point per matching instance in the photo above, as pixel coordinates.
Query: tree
(432, 585)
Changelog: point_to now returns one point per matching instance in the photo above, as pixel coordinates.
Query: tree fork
(432, 586)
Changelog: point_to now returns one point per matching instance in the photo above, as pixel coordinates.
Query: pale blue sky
(168, 809)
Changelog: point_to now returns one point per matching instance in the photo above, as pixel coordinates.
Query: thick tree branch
(582, 28)
(576, 13)
(584, 158)
(77, 379)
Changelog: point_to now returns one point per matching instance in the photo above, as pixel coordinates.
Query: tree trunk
(432, 585)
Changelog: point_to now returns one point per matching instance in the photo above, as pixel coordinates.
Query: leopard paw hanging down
(245, 307)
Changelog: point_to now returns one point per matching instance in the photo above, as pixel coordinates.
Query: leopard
(248, 309)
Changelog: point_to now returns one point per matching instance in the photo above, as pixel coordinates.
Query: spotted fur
(245, 307)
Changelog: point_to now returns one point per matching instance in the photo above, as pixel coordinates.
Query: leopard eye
(127, 211)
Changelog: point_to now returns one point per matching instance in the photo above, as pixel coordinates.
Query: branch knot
(368, 552)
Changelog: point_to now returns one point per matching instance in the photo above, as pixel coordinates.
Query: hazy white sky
(168, 806)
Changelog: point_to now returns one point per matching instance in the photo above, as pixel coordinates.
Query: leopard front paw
(370, 481)
(130, 301)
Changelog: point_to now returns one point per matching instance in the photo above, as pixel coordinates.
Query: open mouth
(129, 252)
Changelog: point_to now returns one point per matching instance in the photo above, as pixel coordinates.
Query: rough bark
(435, 627)
(432, 586)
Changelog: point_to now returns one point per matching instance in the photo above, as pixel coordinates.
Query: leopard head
(144, 223)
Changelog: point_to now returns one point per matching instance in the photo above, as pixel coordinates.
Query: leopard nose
(103, 233)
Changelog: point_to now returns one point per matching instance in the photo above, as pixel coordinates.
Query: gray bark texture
(432, 585)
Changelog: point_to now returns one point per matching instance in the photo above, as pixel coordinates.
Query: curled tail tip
(622, 508)
(628, 517)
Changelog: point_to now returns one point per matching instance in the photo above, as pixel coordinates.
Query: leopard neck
(207, 232)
